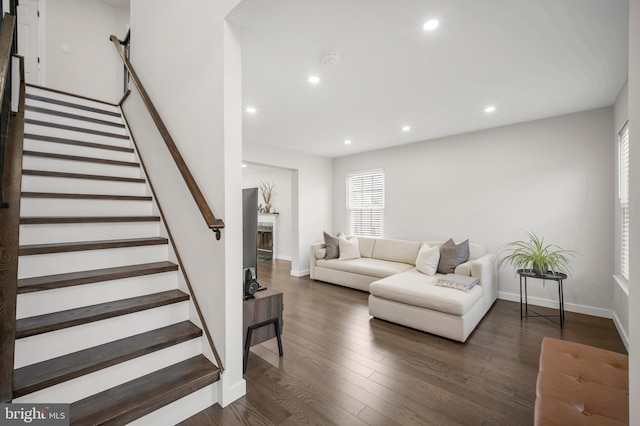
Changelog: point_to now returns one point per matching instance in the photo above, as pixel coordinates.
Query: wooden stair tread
(32, 249)
(72, 116)
(80, 158)
(46, 173)
(129, 401)
(51, 372)
(48, 282)
(44, 220)
(86, 196)
(70, 104)
(74, 128)
(64, 319)
(44, 138)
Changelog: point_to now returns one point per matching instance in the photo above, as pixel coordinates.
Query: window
(365, 202)
(623, 195)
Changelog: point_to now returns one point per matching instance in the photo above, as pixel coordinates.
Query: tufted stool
(581, 385)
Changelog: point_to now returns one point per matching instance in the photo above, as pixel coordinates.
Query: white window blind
(365, 202)
(623, 195)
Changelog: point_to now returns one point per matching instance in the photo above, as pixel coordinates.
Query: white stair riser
(72, 207)
(33, 349)
(37, 129)
(99, 381)
(81, 151)
(75, 122)
(81, 186)
(62, 299)
(69, 232)
(181, 409)
(69, 98)
(60, 263)
(76, 111)
(31, 162)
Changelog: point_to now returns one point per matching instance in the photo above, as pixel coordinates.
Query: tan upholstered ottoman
(581, 385)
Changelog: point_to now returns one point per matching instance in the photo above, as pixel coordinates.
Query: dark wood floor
(342, 367)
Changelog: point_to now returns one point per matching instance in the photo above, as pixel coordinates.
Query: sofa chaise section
(414, 300)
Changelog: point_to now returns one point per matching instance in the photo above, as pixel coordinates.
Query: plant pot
(537, 271)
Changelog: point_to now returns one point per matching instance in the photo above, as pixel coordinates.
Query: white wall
(620, 285)
(188, 58)
(634, 214)
(252, 175)
(92, 66)
(551, 176)
(311, 196)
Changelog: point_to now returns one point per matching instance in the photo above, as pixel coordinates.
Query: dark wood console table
(258, 314)
(558, 277)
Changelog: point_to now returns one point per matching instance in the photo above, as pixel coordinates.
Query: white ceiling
(529, 58)
(118, 3)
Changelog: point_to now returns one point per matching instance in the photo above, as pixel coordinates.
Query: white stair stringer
(88, 197)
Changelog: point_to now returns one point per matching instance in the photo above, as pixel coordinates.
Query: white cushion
(365, 266)
(417, 289)
(464, 268)
(366, 246)
(348, 248)
(396, 250)
(321, 253)
(427, 260)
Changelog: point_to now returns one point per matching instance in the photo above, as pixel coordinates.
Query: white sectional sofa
(400, 293)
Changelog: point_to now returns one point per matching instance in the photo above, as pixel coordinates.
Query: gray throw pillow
(331, 244)
(452, 255)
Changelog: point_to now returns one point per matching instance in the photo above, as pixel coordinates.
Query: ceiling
(528, 58)
(118, 3)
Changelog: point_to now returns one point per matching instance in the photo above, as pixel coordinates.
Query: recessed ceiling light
(314, 79)
(406, 128)
(251, 110)
(490, 108)
(347, 142)
(431, 25)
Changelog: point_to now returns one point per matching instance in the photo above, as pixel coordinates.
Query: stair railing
(210, 219)
(11, 173)
(212, 222)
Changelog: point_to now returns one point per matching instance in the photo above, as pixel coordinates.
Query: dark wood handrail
(175, 248)
(212, 222)
(9, 241)
(6, 39)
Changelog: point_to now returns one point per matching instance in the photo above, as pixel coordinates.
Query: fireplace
(265, 240)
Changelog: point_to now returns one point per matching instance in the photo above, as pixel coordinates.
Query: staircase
(103, 317)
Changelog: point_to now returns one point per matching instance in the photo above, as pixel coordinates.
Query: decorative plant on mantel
(268, 190)
(535, 255)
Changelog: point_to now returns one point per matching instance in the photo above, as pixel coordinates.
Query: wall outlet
(65, 48)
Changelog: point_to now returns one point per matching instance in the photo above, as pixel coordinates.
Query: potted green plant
(537, 256)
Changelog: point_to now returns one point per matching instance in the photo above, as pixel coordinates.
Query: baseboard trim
(548, 303)
(623, 336)
(287, 258)
(302, 273)
(228, 394)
